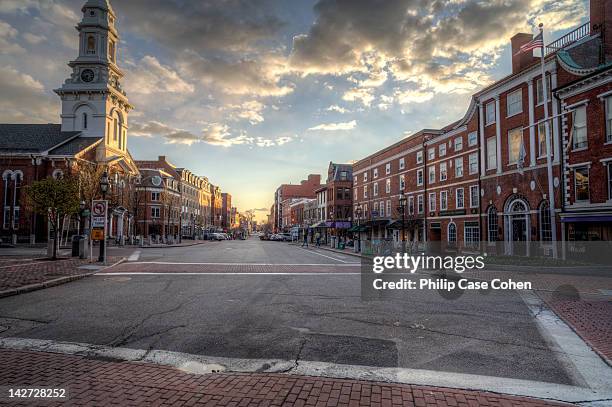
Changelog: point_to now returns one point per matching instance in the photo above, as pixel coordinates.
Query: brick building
(226, 211)
(158, 198)
(216, 205)
(305, 189)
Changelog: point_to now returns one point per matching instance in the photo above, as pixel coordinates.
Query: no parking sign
(98, 219)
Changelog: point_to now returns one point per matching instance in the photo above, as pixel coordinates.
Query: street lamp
(402, 207)
(358, 216)
(104, 189)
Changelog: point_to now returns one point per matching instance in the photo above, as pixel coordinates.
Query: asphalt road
(295, 316)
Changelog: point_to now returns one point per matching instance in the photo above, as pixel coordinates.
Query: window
(443, 172)
(474, 196)
(420, 203)
(459, 198)
(155, 212)
(490, 113)
(111, 50)
(382, 208)
(443, 200)
(389, 208)
(432, 175)
(471, 233)
(376, 189)
(402, 163)
(492, 224)
(491, 153)
(540, 90)
(420, 177)
(472, 139)
(84, 121)
(155, 196)
(91, 45)
(542, 139)
(452, 233)
(365, 191)
(544, 218)
(343, 175)
(580, 129)
(514, 102)
(442, 150)
(419, 157)
(458, 143)
(402, 182)
(365, 177)
(609, 168)
(431, 154)
(388, 169)
(432, 202)
(581, 183)
(608, 102)
(411, 205)
(356, 193)
(473, 163)
(459, 167)
(388, 185)
(515, 145)
(375, 211)
(375, 175)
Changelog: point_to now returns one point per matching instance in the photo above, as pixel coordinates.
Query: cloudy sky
(255, 93)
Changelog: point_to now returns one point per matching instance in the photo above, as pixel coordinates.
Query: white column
(555, 122)
(532, 141)
(120, 226)
(498, 134)
(482, 140)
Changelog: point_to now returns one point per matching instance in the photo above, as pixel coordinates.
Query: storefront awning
(591, 218)
(398, 224)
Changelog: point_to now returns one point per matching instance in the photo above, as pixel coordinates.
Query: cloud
(24, 99)
(149, 76)
(363, 95)
(338, 109)
(250, 111)
(8, 34)
(335, 126)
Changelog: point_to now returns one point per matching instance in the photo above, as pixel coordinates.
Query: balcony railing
(569, 38)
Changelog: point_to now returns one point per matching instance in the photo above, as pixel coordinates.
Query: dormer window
(111, 50)
(91, 45)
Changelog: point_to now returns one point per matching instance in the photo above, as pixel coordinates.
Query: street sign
(97, 234)
(98, 214)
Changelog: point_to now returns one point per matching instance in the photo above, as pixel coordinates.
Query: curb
(52, 283)
(172, 245)
(339, 252)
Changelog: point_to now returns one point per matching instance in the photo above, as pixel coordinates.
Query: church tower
(93, 101)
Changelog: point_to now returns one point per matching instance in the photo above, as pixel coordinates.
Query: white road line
(217, 273)
(201, 364)
(134, 256)
(329, 257)
(171, 263)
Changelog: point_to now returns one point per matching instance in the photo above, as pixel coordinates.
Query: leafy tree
(54, 198)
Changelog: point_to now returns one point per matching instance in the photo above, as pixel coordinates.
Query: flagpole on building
(551, 191)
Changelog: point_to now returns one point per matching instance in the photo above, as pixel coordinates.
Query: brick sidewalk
(100, 383)
(19, 274)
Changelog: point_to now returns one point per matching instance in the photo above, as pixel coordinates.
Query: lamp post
(402, 207)
(81, 213)
(104, 188)
(358, 216)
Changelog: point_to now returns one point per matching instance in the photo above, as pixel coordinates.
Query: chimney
(524, 59)
(161, 158)
(601, 22)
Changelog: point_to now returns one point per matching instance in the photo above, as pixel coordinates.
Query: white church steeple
(93, 101)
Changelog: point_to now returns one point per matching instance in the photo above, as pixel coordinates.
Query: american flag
(536, 42)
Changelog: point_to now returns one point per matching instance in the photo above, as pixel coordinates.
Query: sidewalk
(99, 383)
(19, 275)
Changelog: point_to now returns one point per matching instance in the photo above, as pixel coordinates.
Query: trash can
(76, 240)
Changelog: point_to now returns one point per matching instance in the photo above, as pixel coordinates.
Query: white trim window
(365, 192)
(419, 157)
(541, 140)
(452, 233)
(375, 175)
(388, 185)
(474, 196)
(473, 163)
(155, 212)
(490, 113)
(443, 200)
(581, 184)
(375, 211)
(402, 163)
(514, 102)
(420, 208)
(419, 176)
(443, 172)
(459, 167)
(375, 189)
(388, 169)
(432, 202)
(515, 141)
(459, 199)
(459, 144)
(492, 224)
(402, 182)
(411, 205)
(472, 139)
(356, 193)
(491, 153)
(580, 128)
(544, 221)
(442, 150)
(388, 208)
(431, 154)
(382, 209)
(155, 196)
(432, 174)
(365, 176)
(540, 91)
(471, 234)
(608, 103)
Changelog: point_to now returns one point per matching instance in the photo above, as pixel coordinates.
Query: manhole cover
(119, 279)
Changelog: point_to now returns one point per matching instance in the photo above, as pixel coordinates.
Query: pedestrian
(305, 242)
(318, 239)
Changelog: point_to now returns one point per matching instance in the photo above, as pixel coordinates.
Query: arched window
(452, 232)
(492, 224)
(91, 45)
(544, 218)
(84, 121)
(115, 128)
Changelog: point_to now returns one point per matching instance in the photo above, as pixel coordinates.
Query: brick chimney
(601, 22)
(520, 61)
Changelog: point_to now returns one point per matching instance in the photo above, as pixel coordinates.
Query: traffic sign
(98, 214)
(97, 234)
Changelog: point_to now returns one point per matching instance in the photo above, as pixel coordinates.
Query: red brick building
(305, 189)
(226, 211)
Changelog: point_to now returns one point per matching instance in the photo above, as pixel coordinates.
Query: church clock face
(87, 75)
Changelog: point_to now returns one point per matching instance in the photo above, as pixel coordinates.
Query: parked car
(217, 236)
(285, 237)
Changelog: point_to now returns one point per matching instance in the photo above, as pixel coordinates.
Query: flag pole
(551, 191)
